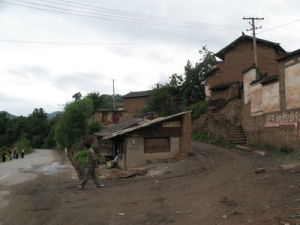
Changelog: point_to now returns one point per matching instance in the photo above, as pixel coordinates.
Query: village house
(108, 116)
(134, 142)
(134, 102)
(271, 105)
(224, 81)
(266, 108)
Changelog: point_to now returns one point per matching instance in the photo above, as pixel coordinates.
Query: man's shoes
(80, 187)
(100, 186)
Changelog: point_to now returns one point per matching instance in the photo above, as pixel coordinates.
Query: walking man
(92, 164)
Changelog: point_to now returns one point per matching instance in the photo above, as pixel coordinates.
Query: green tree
(77, 96)
(99, 101)
(164, 100)
(182, 90)
(73, 123)
(195, 77)
(37, 127)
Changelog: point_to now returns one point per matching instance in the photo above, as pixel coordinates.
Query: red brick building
(108, 116)
(134, 102)
(225, 78)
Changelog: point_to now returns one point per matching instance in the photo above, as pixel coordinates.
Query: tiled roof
(222, 86)
(221, 53)
(137, 94)
(214, 69)
(269, 79)
(290, 55)
(138, 125)
(122, 125)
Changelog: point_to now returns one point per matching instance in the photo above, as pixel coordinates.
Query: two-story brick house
(226, 77)
(134, 102)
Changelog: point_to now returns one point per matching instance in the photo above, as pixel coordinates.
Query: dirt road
(215, 186)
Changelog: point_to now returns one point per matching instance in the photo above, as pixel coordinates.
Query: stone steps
(236, 134)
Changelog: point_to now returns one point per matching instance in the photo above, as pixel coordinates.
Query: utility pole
(253, 29)
(114, 102)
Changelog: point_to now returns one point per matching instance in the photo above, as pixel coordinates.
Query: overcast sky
(51, 49)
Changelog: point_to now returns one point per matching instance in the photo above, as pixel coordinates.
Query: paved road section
(40, 162)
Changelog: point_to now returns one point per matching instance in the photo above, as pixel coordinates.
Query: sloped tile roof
(221, 53)
(137, 94)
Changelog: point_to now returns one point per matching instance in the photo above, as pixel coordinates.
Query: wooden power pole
(253, 29)
(114, 102)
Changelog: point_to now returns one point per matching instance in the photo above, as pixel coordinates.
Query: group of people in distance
(13, 153)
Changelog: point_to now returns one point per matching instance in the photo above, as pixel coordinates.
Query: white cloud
(136, 56)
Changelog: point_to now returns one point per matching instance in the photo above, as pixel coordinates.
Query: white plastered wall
(292, 86)
(270, 97)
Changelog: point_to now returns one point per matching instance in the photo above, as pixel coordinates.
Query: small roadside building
(136, 141)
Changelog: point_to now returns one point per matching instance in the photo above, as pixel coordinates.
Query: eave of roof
(143, 125)
(222, 52)
(223, 86)
(110, 110)
(270, 79)
(289, 55)
(212, 71)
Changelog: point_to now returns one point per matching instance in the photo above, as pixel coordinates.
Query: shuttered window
(156, 145)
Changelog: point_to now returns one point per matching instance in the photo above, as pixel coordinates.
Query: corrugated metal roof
(143, 124)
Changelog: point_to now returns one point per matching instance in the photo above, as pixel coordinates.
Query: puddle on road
(51, 169)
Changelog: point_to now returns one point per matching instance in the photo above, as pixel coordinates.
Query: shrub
(286, 149)
(198, 109)
(204, 137)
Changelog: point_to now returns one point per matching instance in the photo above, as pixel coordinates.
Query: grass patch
(204, 137)
(283, 150)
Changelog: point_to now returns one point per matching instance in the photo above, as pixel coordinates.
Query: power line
(93, 7)
(105, 16)
(65, 11)
(279, 26)
(107, 43)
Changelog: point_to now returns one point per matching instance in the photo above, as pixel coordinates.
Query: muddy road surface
(214, 186)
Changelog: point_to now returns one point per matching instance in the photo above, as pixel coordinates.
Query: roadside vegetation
(65, 130)
(183, 92)
(282, 151)
(204, 137)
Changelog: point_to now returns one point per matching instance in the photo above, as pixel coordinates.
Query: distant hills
(53, 114)
(49, 115)
(8, 114)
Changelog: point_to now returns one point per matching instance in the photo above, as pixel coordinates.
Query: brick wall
(133, 105)
(186, 133)
(240, 58)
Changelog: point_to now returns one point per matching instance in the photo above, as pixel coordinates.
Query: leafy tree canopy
(182, 90)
